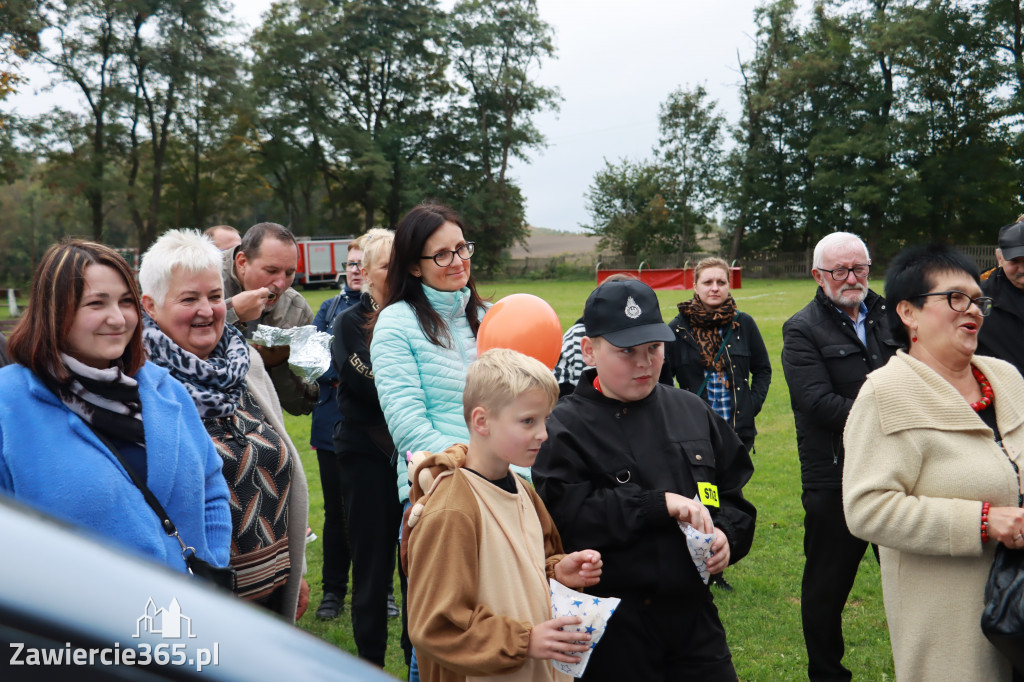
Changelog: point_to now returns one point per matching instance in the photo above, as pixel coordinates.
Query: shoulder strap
(165, 520)
(721, 348)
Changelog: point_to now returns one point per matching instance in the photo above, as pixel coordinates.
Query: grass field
(762, 615)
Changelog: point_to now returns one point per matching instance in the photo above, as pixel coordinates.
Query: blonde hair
(375, 241)
(500, 376)
(710, 262)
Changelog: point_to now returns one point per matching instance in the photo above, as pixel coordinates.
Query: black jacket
(362, 428)
(745, 356)
(1002, 332)
(604, 471)
(825, 364)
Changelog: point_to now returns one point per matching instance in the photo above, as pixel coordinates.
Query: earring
(913, 336)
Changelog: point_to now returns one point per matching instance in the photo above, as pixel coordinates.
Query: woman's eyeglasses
(353, 264)
(446, 258)
(961, 302)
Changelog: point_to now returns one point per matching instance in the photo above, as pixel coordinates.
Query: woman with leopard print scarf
(184, 331)
(719, 354)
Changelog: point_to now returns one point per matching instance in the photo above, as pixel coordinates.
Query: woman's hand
(300, 608)
(548, 641)
(1006, 525)
(579, 569)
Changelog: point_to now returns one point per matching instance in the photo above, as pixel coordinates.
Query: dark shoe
(330, 606)
(393, 611)
(720, 582)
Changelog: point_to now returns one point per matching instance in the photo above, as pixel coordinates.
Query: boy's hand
(579, 569)
(549, 641)
(719, 558)
(688, 511)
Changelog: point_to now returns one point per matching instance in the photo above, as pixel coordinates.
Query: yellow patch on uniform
(708, 494)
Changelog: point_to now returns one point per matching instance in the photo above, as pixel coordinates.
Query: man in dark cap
(1001, 334)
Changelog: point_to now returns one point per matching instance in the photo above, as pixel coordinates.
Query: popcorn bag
(594, 611)
(699, 545)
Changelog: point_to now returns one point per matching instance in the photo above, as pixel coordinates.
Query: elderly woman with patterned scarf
(184, 332)
(719, 355)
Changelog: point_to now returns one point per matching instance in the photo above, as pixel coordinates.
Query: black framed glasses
(353, 264)
(961, 302)
(446, 258)
(859, 270)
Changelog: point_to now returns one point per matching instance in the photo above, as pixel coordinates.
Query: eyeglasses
(446, 258)
(860, 270)
(353, 264)
(961, 302)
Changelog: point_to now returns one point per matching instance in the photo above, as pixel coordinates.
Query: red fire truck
(321, 260)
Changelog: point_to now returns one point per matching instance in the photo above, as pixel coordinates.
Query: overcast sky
(616, 62)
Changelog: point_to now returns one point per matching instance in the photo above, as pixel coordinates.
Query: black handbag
(1002, 621)
(221, 577)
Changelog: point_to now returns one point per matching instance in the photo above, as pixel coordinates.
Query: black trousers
(374, 514)
(662, 639)
(337, 557)
(832, 556)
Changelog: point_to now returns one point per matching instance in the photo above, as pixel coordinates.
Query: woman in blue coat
(82, 381)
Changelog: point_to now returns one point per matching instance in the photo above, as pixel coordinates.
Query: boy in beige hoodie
(481, 544)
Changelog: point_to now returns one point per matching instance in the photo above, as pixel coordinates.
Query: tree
(955, 131)
(691, 152)
(629, 210)
(171, 46)
(84, 50)
(495, 45)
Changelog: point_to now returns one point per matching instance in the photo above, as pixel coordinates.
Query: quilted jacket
(420, 384)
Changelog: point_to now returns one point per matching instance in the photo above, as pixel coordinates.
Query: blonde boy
(483, 547)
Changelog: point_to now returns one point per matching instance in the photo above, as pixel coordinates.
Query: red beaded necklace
(986, 390)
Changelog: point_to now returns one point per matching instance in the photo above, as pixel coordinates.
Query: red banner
(670, 278)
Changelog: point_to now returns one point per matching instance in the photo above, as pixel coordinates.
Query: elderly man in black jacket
(828, 349)
(1000, 336)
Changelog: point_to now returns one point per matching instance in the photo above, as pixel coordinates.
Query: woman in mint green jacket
(425, 334)
(424, 339)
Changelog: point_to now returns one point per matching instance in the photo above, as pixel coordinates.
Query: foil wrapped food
(310, 355)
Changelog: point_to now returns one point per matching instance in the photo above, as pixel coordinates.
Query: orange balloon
(525, 323)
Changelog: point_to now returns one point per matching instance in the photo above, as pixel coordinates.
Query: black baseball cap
(626, 313)
(1011, 240)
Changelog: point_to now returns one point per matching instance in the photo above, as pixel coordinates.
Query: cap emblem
(632, 309)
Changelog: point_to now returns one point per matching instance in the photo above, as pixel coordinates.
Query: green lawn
(762, 616)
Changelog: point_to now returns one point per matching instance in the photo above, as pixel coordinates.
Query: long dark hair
(411, 234)
(57, 288)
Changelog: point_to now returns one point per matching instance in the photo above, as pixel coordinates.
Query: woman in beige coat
(934, 447)
(184, 331)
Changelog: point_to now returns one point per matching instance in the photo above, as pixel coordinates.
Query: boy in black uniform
(624, 460)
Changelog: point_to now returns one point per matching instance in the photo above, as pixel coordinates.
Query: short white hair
(185, 251)
(832, 241)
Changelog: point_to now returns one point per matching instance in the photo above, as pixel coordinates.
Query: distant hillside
(544, 243)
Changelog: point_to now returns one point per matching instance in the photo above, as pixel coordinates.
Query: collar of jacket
(350, 295)
(232, 285)
(585, 389)
(1002, 290)
(872, 301)
(906, 384)
(448, 304)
